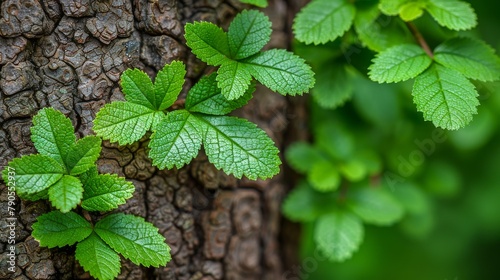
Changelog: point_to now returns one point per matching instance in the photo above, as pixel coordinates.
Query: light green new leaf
(281, 71)
(456, 15)
(176, 141)
(258, 3)
(391, 7)
(399, 63)
(97, 258)
(375, 206)
(446, 97)
(412, 10)
(168, 84)
(248, 33)
(333, 86)
(83, 154)
(304, 204)
(206, 97)
(471, 57)
(66, 193)
(138, 88)
(104, 192)
(324, 176)
(52, 134)
(208, 42)
(338, 235)
(302, 156)
(323, 20)
(56, 229)
(239, 147)
(124, 122)
(34, 174)
(134, 238)
(234, 79)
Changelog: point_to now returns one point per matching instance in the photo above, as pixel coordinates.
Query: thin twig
(420, 39)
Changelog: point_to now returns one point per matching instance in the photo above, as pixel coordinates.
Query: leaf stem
(420, 39)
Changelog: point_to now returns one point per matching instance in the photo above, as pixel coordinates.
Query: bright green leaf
(208, 42)
(66, 193)
(323, 20)
(281, 71)
(34, 174)
(134, 238)
(168, 84)
(52, 134)
(233, 79)
(98, 258)
(138, 88)
(258, 3)
(124, 122)
(471, 57)
(239, 147)
(333, 86)
(248, 33)
(104, 192)
(375, 206)
(176, 141)
(456, 15)
(338, 235)
(391, 7)
(56, 229)
(83, 154)
(324, 176)
(205, 97)
(399, 63)
(353, 169)
(302, 156)
(304, 204)
(412, 10)
(445, 97)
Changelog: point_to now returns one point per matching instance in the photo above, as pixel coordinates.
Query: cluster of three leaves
(235, 145)
(441, 90)
(98, 246)
(55, 173)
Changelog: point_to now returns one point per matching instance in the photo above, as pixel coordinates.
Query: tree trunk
(69, 54)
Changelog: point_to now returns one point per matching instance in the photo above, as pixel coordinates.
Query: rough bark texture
(69, 54)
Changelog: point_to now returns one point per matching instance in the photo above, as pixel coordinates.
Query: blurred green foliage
(448, 182)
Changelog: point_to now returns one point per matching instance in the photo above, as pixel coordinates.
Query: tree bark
(69, 54)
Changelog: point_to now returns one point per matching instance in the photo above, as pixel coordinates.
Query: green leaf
(333, 86)
(323, 20)
(66, 193)
(248, 33)
(375, 206)
(234, 79)
(399, 63)
(34, 174)
(124, 122)
(456, 15)
(353, 169)
(324, 176)
(138, 88)
(391, 7)
(134, 238)
(445, 97)
(412, 198)
(281, 71)
(258, 3)
(338, 235)
(412, 10)
(206, 97)
(168, 84)
(471, 57)
(239, 147)
(176, 141)
(52, 134)
(304, 204)
(56, 229)
(97, 258)
(83, 154)
(208, 42)
(302, 156)
(105, 192)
